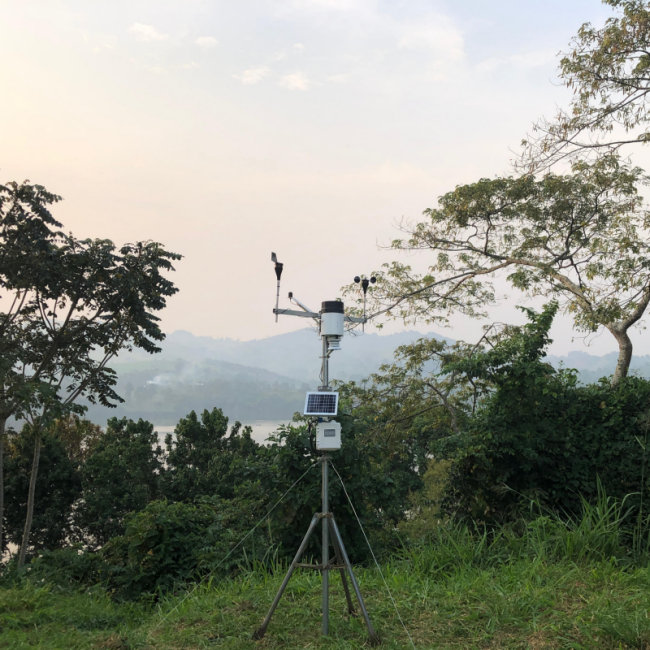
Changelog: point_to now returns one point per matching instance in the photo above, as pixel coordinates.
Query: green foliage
(462, 588)
(120, 475)
(607, 70)
(77, 435)
(220, 483)
(415, 405)
(542, 437)
(69, 567)
(45, 616)
(425, 506)
(598, 532)
(377, 475)
(167, 544)
(71, 306)
(203, 458)
(58, 487)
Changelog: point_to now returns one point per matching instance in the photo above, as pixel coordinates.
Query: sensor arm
(295, 312)
(292, 298)
(308, 313)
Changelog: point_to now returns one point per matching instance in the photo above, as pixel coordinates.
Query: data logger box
(328, 436)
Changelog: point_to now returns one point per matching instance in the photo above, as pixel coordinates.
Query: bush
(66, 567)
(120, 475)
(57, 487)
(541, 437)
(377, 479)
(168, 544)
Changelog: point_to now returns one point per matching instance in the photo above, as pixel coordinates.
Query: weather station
(322, 404)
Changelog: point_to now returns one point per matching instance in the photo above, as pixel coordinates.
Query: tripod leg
(374, 637)
(261, 630)
(344, 580)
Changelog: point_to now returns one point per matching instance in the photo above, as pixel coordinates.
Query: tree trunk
(3, 424)
(624, 354)
(29, 516)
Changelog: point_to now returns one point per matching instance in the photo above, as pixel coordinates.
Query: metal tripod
(341, 562)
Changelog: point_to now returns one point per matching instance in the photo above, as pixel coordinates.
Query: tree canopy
(608, 70)
(577, 237)
(70, 306)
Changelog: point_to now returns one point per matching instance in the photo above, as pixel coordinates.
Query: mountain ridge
(266, 379)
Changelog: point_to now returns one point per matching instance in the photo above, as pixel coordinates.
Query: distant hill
(295, 355)
(591, 367)
(263, 379)
(266, 379)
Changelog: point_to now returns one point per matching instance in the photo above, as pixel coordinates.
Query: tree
(128, 450)
(541, 436)
(78, 436)
(608, 70)
(65, 445)
(203, 458)
(416, 403)
(58, 487)
(72, 305)
(578, 238)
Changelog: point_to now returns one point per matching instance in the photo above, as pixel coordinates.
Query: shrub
(168, 544)
(542, 437)
(66, 567)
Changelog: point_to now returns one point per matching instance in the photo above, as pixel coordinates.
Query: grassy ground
(528, 602)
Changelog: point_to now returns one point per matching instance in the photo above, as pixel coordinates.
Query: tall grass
(606, 530)
(548, 582)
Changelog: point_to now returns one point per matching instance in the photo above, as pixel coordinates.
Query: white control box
(328, 436)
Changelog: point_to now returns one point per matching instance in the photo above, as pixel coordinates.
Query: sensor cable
(390, 595)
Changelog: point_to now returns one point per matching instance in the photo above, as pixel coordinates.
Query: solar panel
(321, 403)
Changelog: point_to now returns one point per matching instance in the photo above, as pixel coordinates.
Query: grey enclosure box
(328, 436)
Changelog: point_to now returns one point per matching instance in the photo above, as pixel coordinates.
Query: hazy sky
(229, 129)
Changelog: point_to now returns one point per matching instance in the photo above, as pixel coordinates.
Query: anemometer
(323, 404)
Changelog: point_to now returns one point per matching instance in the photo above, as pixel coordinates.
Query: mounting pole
(325, 508)
(325, 545)
(325, 367)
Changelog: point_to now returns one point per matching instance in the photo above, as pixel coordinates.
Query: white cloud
(295, 81)
(206, 42)
(340, 78)
(438, 34)
(296, 49)
(332, 5)
(156, 69)
(522, 61)
(252, 75)
(146, 33)
(99, 42)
